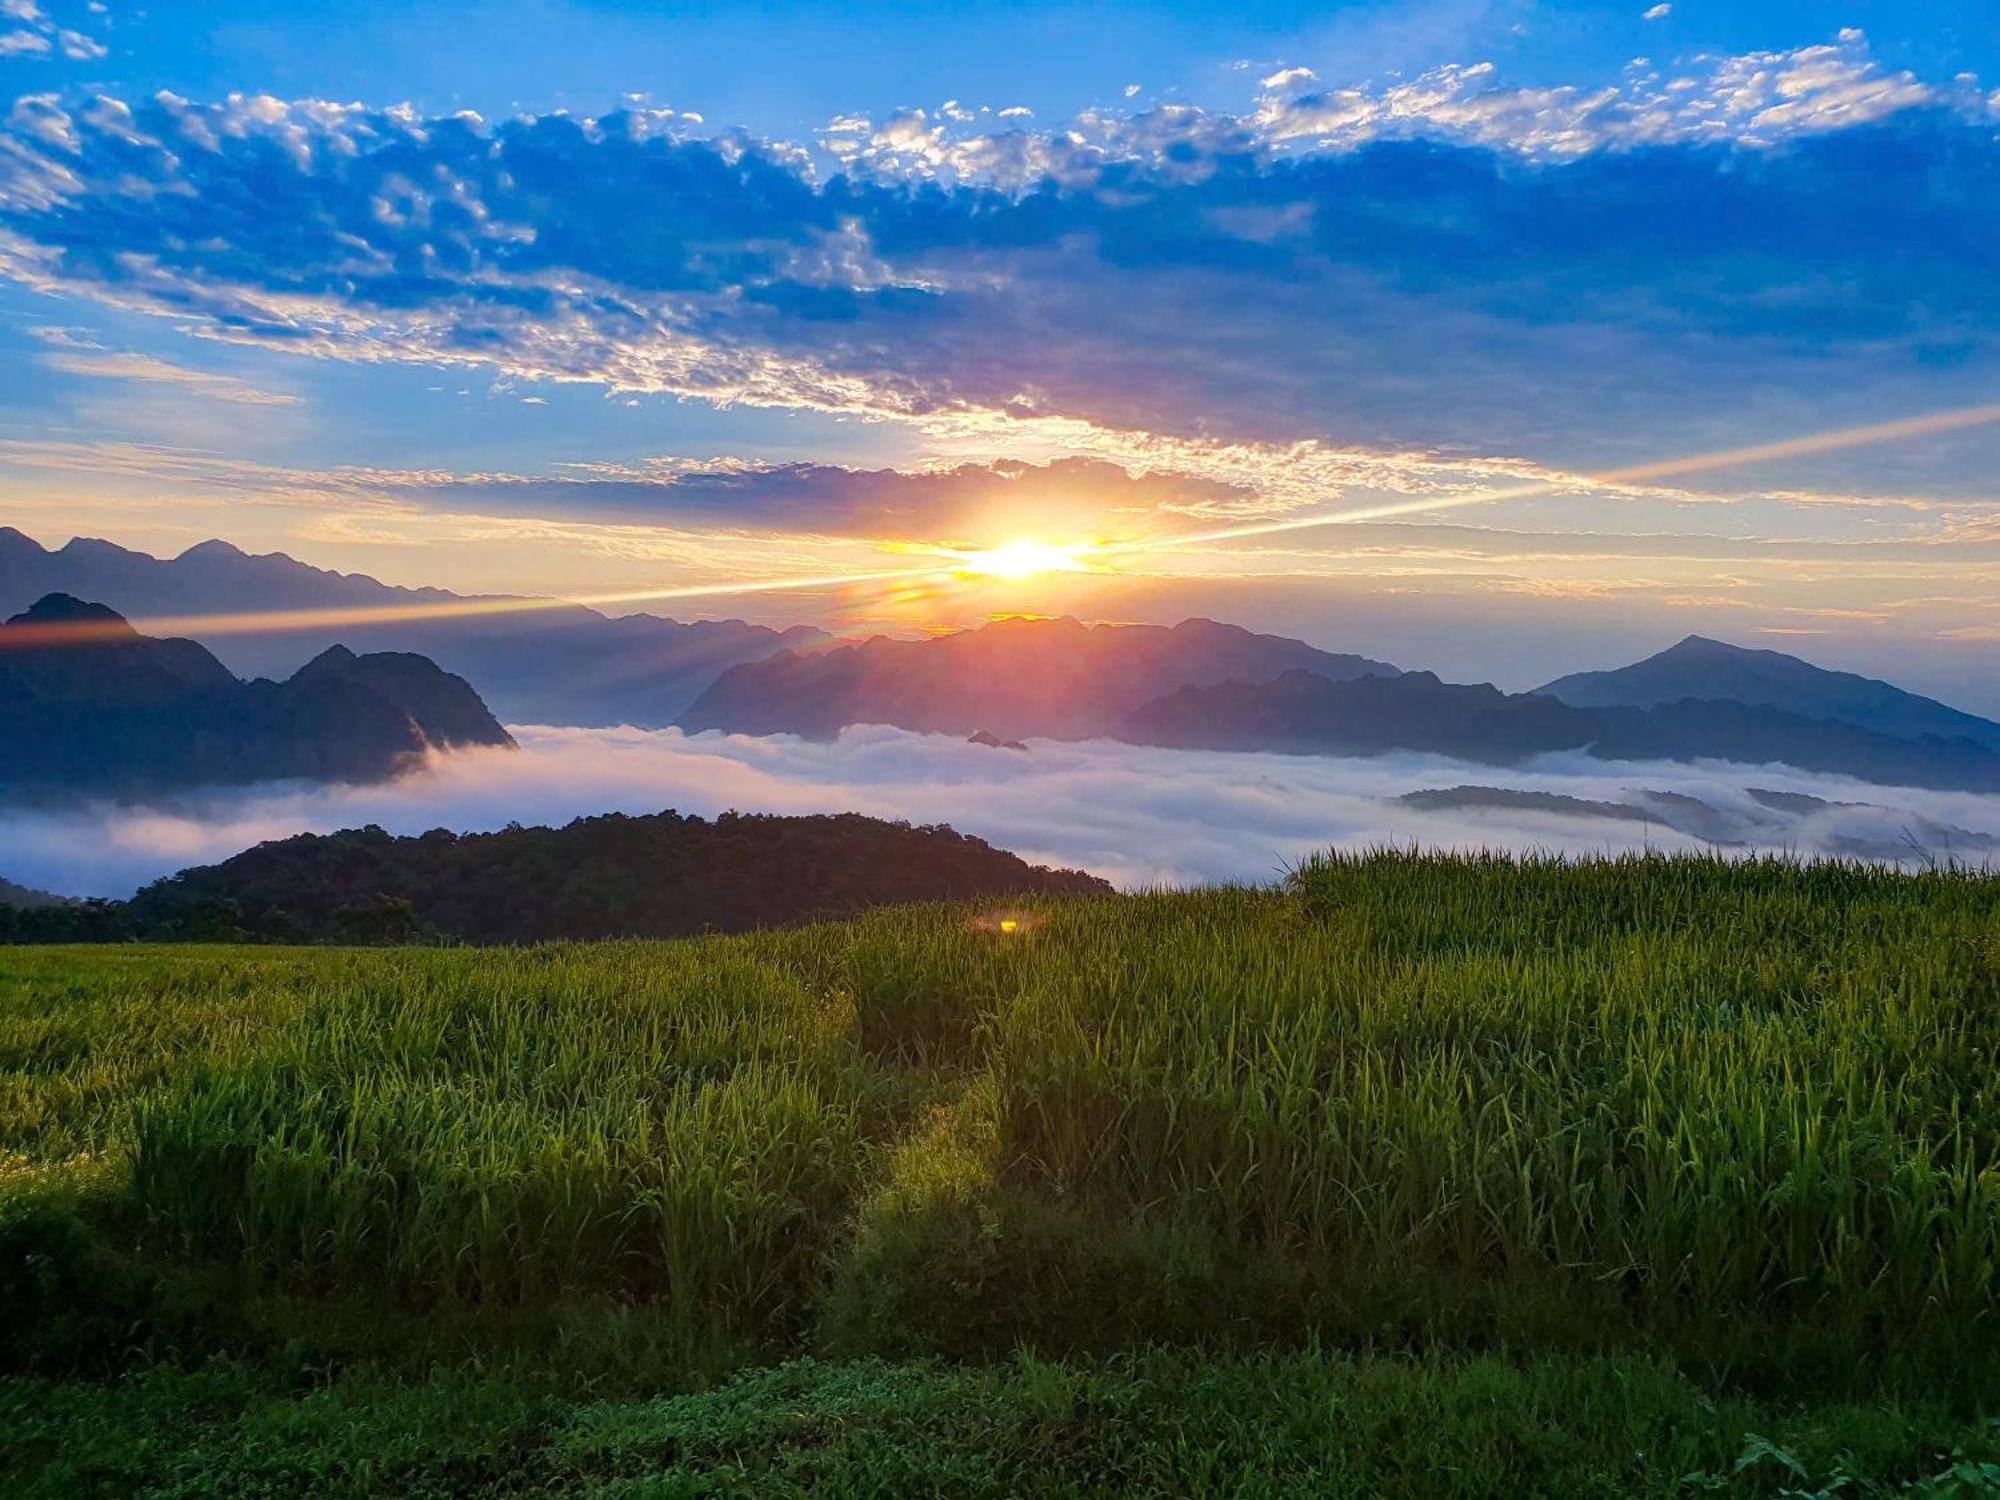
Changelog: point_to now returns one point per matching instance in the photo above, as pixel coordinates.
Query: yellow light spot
(1010, 924)
(1024, 557)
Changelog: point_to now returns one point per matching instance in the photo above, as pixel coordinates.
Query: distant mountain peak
(91, 546)
(335, 658)
(20, 543)
(67, 609)
(215, 547)
(1706, 670)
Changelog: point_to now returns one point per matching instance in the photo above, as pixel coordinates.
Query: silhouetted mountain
(92, 706)
(1796, 803)
(993, 741)
(1715, 670)
(1304, 713)
(611, 876)
(1515, 800)
(442, 705)
(1653, 809)
(553, 663)
(1692, 730)
(1013, 679)
(1791, 821)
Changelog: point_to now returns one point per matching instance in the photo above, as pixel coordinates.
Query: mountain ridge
(551, 662)
(107, 711)
(1701, 667)
(1013, 678)
(1303, 714)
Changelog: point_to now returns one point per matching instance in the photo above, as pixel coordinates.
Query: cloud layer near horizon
(1135, 815)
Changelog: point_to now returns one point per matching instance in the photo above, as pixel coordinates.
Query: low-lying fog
(1135, 815)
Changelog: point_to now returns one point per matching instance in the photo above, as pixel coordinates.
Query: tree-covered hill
(663, 875)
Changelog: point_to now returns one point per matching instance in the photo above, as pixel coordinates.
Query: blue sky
(603, 296)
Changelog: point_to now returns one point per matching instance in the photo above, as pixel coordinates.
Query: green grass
(1739, 1123)
(1278, 1425)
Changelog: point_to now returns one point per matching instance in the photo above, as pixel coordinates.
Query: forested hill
(662, 875)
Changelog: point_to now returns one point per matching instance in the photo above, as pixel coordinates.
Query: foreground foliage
(1742, 1120)
(1301, 1424)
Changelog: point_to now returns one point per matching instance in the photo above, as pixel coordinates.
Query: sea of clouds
(1138, 816)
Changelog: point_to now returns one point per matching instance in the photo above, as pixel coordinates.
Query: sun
(1024, 557)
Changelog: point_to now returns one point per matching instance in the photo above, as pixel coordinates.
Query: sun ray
(1016, 560)
(1670, 468)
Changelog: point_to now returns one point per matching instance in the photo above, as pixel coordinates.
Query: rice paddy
(1739, 1121)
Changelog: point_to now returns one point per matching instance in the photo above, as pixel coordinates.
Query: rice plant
(1745, 1114)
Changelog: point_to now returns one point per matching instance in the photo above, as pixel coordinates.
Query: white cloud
(1752, 99)
(1287, 78)
(40, 118)
(21, 10)
(1137, 816)
(23, 44)
(79, 48)
(1658, 13)
(1757, 99)
(148, 370)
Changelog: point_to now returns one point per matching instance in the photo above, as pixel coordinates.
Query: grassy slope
(1743, 1120)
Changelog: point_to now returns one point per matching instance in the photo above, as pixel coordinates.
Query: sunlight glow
(1024, 557)
(1011, 561)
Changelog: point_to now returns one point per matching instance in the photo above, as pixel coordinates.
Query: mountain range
(1208, 686)
(1012, 679)
(94, 707)
(1198, 684)
(1698, 667)
(1303, 713)
(546, 663)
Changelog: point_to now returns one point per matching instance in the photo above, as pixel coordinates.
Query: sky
(1434, 331)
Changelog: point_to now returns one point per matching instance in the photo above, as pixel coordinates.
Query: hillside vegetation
(659, 875)
(1701, 1151)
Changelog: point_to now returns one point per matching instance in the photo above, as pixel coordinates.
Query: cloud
(1658, 12)
(940, 503)
(145, 369)
(80, 48)
(23, 44)
(1444, 262)
(1757, 99)
(1138, 816)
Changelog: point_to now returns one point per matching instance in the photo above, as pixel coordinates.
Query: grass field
(1393, 1169)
